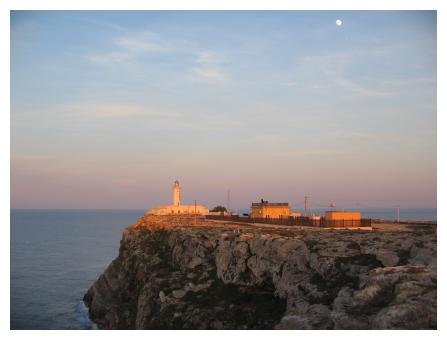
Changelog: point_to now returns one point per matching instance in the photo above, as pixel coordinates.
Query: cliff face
(214, 275)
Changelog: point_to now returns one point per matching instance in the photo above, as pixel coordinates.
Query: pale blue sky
(109, 108)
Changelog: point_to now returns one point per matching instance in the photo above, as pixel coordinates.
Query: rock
(341, 308)
(388, 258)
(202, 286)
(217, 324)
(178, 294)
(315, 316)
(294, 322)
(195, 262)
(405, 316)
(423, 257)
(401, 297)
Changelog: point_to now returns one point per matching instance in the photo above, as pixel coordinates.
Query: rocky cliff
(179, 273)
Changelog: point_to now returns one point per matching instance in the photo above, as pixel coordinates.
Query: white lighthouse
(177, 208)
(176, 194)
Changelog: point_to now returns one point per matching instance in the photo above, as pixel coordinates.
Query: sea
(56, 255)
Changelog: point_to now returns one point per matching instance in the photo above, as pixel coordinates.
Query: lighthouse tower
(176, 194)
(176, 208)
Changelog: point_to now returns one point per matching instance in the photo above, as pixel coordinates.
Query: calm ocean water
(57, 254)
(55, 257)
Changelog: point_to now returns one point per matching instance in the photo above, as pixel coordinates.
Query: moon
(338, 22)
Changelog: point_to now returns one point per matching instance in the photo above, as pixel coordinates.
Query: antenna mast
(305, 205)
(195, 212)
(228, 201)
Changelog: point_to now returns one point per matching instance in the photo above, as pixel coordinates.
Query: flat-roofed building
(295, 214)
(264, 209)
(343, 218)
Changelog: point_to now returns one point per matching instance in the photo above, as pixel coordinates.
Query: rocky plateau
(184, 273)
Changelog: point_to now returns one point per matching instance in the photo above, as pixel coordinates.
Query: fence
(296, 221)
(364, 222)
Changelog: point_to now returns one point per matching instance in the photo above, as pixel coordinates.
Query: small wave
(82, 316)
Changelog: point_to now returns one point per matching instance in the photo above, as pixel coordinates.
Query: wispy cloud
(269, 138)
(106, 24)
(209, 74)
(310, 152)
(128, 47)
(354, 88)
(355, 135)
(117, 110)
(209, 68)
(21, 158)
(75, 113)
(331, 71)
(209, 57)
(411, 81)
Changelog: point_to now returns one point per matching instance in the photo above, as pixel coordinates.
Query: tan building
(343, 218)
(265, 209)
(176, 208)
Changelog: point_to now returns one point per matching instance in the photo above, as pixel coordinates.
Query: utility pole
(398, 214)
(305, 205)
(228, 202)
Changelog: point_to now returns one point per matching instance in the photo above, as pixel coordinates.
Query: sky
(109, 108)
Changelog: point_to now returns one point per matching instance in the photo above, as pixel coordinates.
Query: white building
(176, 208)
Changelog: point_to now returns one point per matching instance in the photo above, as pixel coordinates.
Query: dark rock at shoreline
(182, 273)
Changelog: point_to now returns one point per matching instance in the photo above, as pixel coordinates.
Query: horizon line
(350, 208)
